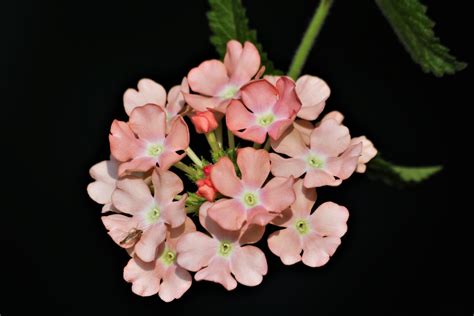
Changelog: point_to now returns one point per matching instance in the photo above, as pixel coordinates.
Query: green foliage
(227, 21)
(415, 30)
(193, 203)
(395, 175)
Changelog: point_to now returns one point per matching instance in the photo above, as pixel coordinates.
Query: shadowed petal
(305, 199)
(259, 96)
(208, 77)
(166, 185)
(288, 103)
(317, 178)
(282, 167)
(176, 281)
(254, 166)
(330, 138)
(217, 271)
(228, 213)
(132, 195)
(195, 250)
(313, 93)
(290, 143)
(149, 122)
(278, 194)
(225, 179)
(152, 237)
(123, 143)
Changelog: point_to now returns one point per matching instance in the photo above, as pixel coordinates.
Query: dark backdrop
(65, 66)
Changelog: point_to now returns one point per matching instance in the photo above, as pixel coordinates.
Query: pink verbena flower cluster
(148, 212)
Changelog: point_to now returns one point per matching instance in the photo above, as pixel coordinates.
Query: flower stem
(257, 145)
(184, 167)
(192, 155)
(267, 145)
(219, 135)
(309, 37)
(230, 139)
(211, 139)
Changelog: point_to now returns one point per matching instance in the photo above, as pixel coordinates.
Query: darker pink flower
(162, 275)
(105, 174)
(143, 142)
(317, 235)
(150, 214)
(329, 159)
(205, 187)
(264, 109)
(223, 254)
(204, 122)
(248, 202)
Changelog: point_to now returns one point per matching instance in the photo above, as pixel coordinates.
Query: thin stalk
(219, 135)
(230, 139)
(267, 145)
(257, 145)
(212, 140)
(184, 167)
(192, 155)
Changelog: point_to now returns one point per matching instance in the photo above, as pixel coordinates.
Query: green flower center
(168, 257)
(315, 162)
(266, 119)
(250, 199)
(225, 248)
(155, 150)
(302, 226)
(229, 92)
(153, 215)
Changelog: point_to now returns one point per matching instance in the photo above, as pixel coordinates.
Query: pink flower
(143, 142)
(204, 122)
(305, 127)
(150, 214)
(205, 187)
(264, 109)
(219, 82)
(368, 152)
(318, 235)
(162, 275)
(215, 257)
(150, 92)
(249, 202)
(105, 174)
(322, 161)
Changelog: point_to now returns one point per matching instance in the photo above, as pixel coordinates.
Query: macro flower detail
(105, 174)
(205, 187)
(143, 143)
(222, 257)
(248, 201)
(317, 235)
(368, 152)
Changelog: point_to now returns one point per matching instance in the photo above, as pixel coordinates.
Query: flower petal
(282, 167)
(254, 166)
(251, 234)
(276, 130)
(248, 264)
(149, 122)
(195, 250)
(259, 215)
(174, 234)
(259, 96)
(304, 128)
(166, 185)
(228, 213)
(288, 102)
(132, 195)
(241, 63)
(140, 164)
(148, 92)
(330, 219)
(118, 227)
(317, 178)
(286, 244)
(225, 179)
(313, 93)
(330, 138)
(208, 78)
(145, 276)
(203, 103)
(176, 282)
(105, 171)
(151, 238)
(290, 143)
(123, 143)
(278, 194)
(317, 250)
(217, 271)
(178, 137)
(305, 199)
(213, 227)
(335, 115)
(174, 213)
(168, 158)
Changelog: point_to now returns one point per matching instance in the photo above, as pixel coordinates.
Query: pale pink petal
(225, 179)
(148, 92)
(259, 96)
(132, 195)
(305, 199)
(288, 103)
(203, 103)
(349, 160)
(178, 137)
(105, 171)
(241, 64)
(176, 100)
(248, 264)
(254, 166)
(145, 276)
(174, 213)
(334, 115)
(286, 244)
(272, 79)
(208, 78)
(228, 213)
(213, 227)
(140, 164)
(330, 138)
(313, 93)
(195, 250)
(330, 219)
(251, 233)
(148, 122)
(317, 178)
(174, 234)
(290, 143)
(123, 143)
(217, 271)
(166, 185)
(282, 167)
(176, 282)
(100, 192)
(260, 73)
(260, 215)
(304, 128)
(284, 219)
(278, 194)
(169, 158)
(368, 152)
(152, 237)
(317, 250)
(276, 130)
(255, 134)
(118, 227)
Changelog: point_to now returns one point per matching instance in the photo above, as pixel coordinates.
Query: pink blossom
(204, 122)
(149, 214)
(368, 152)
(329, 159)
(215, 258)
(264, 108)
(318, 235)
(248, 202)
(306, 127)
(105, 174)
(162, 275)
(143, 142)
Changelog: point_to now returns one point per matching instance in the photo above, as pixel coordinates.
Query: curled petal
(282, 167)
(259, 96)
(254, 166)
(317, 178)
(148, 92)
(225, 179)
(317, 250)
(132, 195)
(166, 185)
(334, 115)
(176, 281)
(345, 165)
(123, 143)
(304, 128)
(288, 102)
(105, 173)
(330, 138)
(290, 143)
(286, 244)
(217, 271)
(145, 276)
(313, 93)
(248, 264)
(152, 237)
(140, 164)
(228, 213)
(178, 137)
(241, 62)
(208, 78)
(368, 152)
(305, 199)
(278, 194)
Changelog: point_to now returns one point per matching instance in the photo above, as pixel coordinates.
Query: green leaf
(395, 175)
(193, 203)
(227, 20)
(415, 30)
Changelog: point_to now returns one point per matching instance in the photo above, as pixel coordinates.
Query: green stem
(219, 135)
(192, 155)
(309, 37)
(183, 167)
(230, 139)
(211, 139)
(267, 145)
(257, 145)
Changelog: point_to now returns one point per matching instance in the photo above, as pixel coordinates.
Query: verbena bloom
(329, 159)
(216, 83)
(215, 257)
(150, 214)
(248, 202)
(263, 109)
(317, 235)
(306, 127)
(206, 188)
(143, 142)
(368, 152)
(105, 174)
(162, 275)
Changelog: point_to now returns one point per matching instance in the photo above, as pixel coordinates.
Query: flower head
(317, 235)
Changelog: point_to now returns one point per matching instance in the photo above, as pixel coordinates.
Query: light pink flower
(264, 108)
(215, 257)
(318, 235)
(162, 275)
(143, 142)
(219, 82)
(150, 214)
(105, 174)
(306, 127)
(322, 161)
(248, 202)
(368, 152)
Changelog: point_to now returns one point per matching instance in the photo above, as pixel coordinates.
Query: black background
(65, 66)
